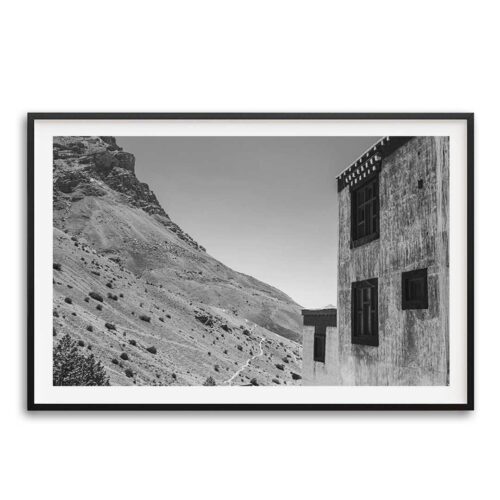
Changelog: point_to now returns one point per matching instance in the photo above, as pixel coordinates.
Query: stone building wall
(314, 372)
(413, 344)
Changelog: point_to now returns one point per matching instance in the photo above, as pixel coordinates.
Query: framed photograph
(276, 261)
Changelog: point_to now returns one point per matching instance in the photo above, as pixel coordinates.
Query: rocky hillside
(147, 299)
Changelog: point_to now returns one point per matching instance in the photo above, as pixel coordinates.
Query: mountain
(161, 310)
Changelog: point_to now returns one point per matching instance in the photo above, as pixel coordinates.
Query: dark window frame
(319, 347)
(408, 302)
(357, 334)
(372, 181)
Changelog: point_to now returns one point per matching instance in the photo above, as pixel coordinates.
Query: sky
(264, 206)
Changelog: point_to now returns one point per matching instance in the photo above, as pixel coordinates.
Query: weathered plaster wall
(413, 344)
(313, 372)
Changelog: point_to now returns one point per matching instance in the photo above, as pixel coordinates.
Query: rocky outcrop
(84, 166)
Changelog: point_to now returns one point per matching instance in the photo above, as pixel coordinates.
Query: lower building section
(319, 346)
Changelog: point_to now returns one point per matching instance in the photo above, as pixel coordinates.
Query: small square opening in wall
(414, 289)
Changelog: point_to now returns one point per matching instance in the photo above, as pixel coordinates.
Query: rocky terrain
(134, 289)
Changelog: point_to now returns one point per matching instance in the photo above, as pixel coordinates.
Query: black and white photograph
(236, 265)
(273, 262)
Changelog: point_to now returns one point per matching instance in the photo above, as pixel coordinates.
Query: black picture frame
(32, 118)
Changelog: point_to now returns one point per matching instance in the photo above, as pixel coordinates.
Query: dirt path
(248, 361)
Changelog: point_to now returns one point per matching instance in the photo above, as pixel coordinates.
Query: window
(414, 290)
(364, 311)
(319, 344)
(365, 213)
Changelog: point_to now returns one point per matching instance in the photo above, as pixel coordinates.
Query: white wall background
(247, 56)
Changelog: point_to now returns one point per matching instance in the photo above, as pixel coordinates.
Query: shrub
(254, 381)
(114, 361)
(81, 343)
(132, 342)
(124, 356)
(121, 295)
(217, 368)
(161, 319)
(56, 266)
(96, 296)
(90, 328)
(296, 376)
(98, 307)
(111, 296)
(109, 284)
(151, 349)
(86, 299)
(240, 348)
(110, 326)
(246, 332)
(73, 368)
(55, 314)
(129, 373)
(68, 300)
(209, 382)
(168, 316)
(276, 381)
(285, 360)
(145, 318)
(280, 367)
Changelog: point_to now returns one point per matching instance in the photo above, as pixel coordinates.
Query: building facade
(393, 270)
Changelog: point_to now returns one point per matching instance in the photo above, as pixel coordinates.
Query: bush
(86, 299)
(296, 376)
(112, 296)
(96, 296)
(129, 373)
(240, 348)
(109, 284)
(81, 343)
(145, 318)
(73, 368)
(280, 367)
(132, 342)
(276, 381)
(124, 356)
(68, 300)
(151, 349)
(110, 326)
(90, 328)
(56, 266)
(209, 382)
(254, 382)
(161, 319)
(98, 307)
(217, 368)
(114, 361)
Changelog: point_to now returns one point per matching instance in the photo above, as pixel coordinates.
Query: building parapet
(369, 162)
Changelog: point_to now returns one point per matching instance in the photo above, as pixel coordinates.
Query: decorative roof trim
(370, 162)
(319, 312)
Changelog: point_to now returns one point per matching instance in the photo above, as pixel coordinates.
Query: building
(391, 322)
